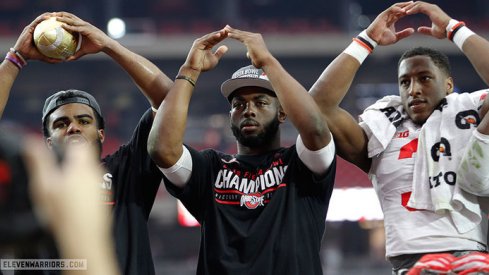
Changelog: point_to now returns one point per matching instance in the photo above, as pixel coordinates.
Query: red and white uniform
(410, 231)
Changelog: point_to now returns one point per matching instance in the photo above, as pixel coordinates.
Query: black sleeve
(320, 186)
(326, 182)
(137, 177)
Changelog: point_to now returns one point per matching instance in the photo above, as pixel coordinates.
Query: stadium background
(304, 35)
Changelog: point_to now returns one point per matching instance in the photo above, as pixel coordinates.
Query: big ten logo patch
(403, 134)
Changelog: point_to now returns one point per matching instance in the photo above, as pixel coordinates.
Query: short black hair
(66, 97)
(439, 58)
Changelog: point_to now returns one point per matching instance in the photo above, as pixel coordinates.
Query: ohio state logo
(252, 201)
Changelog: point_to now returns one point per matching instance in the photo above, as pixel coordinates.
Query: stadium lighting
(116, 28)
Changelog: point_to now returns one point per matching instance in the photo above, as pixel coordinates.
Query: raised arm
(473, 46)
(333, 84)
(23, 49)
(166, 137)
(296, 102)
(152, 82)
(8, 74)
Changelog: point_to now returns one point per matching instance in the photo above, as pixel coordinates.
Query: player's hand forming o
(438, 17)
(201, 56)
(255, 45)
(383, 30)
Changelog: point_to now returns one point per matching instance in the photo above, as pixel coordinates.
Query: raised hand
(25, 43)
(94, 40)
(438, 17)
(257, 49)
(383, 29)
(201, 58)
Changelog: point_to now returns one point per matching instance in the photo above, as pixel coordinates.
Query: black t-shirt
(130, 186)
(258, 214)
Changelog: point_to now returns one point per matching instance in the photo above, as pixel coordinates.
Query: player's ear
(101, 135)
(282, 116)
(49, 142)
(449, 85)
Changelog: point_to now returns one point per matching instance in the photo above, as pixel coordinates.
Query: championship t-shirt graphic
(251, 189)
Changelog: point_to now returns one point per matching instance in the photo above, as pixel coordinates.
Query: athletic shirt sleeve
(479, 96)
(133, 172)
(197, 188)
(132, 183)
(180, 172)
(317, 161)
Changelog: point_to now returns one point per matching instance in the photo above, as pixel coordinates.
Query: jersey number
(408, 149)
(406, 152)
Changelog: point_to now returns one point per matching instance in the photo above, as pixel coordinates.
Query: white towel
(382, 119)
(435, 178)
(455, 122)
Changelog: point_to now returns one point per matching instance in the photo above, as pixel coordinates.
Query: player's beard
(264, 137)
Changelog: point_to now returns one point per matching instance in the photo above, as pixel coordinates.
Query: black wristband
(451, 35)
(184, 77)
(366, 42)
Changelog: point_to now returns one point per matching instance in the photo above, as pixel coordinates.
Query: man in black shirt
(263, 210)
(73, 116)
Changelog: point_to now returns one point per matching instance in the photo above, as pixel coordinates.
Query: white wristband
(462, 35)
(361, 47)
(357, 51)
(461, 32)
(154, 109)
(451, 24)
